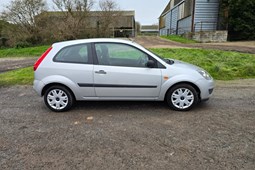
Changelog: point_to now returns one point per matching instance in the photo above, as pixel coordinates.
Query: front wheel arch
(189, 83)
(182, 96)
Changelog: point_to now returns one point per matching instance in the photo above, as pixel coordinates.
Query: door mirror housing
(150, 64)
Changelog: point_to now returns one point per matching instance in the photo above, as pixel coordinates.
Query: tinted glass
(75, 54)
(115, 54)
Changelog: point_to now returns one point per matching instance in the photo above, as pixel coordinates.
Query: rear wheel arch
(58, 98)
(56, 84)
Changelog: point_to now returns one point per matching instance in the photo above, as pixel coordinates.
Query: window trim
(90, 54)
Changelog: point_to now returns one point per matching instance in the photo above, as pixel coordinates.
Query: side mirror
(150, 64)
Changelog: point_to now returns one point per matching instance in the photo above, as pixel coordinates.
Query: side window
(115, 54)
(75, 54)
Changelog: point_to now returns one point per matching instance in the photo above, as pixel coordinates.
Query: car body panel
(127, 82)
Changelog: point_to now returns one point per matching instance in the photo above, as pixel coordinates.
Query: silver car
(112, 69)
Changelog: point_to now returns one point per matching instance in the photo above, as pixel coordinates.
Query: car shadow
(134, 105)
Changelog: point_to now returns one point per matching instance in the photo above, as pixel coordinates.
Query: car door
(121, 73)
(75, 63)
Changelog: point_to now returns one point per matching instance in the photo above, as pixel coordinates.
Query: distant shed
(182, 16)
(149, 29)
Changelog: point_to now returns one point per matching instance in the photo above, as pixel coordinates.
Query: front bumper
(206, 88)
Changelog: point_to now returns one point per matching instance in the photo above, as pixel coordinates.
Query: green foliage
(241, 15)
(23, 52)
(23, 44)
(22, 76)
(222, 65)
(178, 38)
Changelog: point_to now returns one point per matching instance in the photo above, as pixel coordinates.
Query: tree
(238, 16)
(22, 13)
(3, 39)
(72, 19)
(108, 17)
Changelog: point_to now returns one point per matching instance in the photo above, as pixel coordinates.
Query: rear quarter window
(75, 54)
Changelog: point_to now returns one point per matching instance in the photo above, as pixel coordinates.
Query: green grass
(179, 39)
(222, 65)
(23, 52)
(22, 76)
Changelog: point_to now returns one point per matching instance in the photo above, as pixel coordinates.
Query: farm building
(112, 23)
(182, 16)
(149, 29)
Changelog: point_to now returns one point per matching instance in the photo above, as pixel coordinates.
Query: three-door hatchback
(112, 69)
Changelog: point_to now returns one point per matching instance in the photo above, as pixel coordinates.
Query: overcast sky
(147, 11)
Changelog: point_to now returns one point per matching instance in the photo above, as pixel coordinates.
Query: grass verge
(178, 39)
(22, 76)
(222, 65)
(23, 52)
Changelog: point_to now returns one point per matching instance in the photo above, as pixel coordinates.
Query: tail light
(38, 62)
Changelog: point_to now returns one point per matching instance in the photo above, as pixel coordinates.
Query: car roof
(93, 40)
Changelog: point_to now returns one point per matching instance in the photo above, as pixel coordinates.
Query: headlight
(205, 74)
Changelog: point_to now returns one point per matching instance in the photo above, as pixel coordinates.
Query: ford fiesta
(112, 69)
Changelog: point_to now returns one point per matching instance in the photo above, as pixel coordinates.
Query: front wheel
(58, 98)
(182, 97)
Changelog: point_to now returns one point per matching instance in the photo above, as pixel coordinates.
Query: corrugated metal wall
(206, 15)
(165, 31)
(205, 19)
(168, 20)
(184, 25)
(174, 20)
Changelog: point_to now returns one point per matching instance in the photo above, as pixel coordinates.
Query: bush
(22, 44)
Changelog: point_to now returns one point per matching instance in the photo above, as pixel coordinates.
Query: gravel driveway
(218, 134)
(157, 42)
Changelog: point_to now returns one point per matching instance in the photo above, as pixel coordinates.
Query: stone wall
(208, 36)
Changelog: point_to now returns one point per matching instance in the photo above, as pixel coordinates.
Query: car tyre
(182, 97)
(58, 98)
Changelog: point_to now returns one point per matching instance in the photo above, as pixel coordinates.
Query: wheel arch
(57, 84)
(185, 82)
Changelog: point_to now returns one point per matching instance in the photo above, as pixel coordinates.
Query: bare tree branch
(21, 14)
(74, 16)
(108, 17)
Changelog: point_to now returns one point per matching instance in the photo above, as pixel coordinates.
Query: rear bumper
(38, 86)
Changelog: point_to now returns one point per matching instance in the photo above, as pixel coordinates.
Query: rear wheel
(182, 97)
(58, 98)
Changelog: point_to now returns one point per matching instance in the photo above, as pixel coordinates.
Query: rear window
(75, 54)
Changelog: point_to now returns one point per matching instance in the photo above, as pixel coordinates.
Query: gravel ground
(218, 134)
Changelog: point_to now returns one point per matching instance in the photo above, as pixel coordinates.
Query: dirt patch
(157, 42)
(237, 44)
(7, 64)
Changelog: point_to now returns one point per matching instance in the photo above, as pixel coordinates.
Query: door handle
(100, 72)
